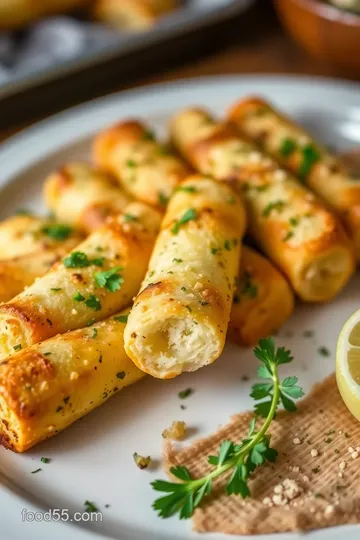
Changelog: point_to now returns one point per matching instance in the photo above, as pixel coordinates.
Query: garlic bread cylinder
(92, 282)
(142, 165)
(263, 300)
(132, 14)
(20, 272)
(25, 234)
(294, 228)
(84, 196)
(295, 149)
(180, 317)
(46, 387)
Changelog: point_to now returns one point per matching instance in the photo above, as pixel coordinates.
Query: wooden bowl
(326, 32)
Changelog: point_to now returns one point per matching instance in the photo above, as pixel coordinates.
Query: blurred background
(63, 52)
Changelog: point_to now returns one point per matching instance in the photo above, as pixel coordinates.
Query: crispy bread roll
(46, 387)
(17, 13)
(25, 234)
(82, 195)
(94, 281)
(297, 232)
(142, 166)
(296, 150)
(180, 317)
(132, 14)
(20, 272)
(263, 300)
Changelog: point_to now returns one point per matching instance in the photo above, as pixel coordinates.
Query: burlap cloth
(328, 484)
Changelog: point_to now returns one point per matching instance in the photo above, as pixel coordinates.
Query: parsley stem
(193, 485)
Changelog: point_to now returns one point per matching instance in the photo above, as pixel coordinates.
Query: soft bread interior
(172, 345)
(326, 276)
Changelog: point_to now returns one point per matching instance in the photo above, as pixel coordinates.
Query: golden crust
(132, 14)
(46, 387)
(263, 300)
(328, 177)
(67, 298)
(180, 317)
(18, 13)
(296, 231)
(144, 168)
(82, 195)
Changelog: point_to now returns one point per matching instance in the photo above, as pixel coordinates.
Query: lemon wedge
(348, 364)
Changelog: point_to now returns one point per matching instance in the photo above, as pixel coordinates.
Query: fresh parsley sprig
(243, 458)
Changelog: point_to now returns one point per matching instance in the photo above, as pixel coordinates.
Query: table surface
(251, 43)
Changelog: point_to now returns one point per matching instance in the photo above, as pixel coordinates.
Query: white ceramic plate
(93, 459)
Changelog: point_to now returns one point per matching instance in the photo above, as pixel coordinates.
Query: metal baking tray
(55, 48)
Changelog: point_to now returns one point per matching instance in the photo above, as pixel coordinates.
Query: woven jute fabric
(327, 484)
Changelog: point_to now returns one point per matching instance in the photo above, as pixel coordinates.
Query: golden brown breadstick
(46, 387)
(132, 14)
(17, 13)
(142, 165)
(263, 300)
(97, 279)
(304, 239)
(82, 195)
(20, 272)
(25, 234)
(295, 149)
(180, 317)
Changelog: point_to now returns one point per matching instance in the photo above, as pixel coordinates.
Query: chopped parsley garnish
(310, 156)
(93, 302)
(36, 470)
(121, 375)
(294, 221)
(45, 460)
(324, 351)
(288, 235)
(162, 198)
(288, 147)
(130, 163)
(90, 507)
(185, 393)
(189, 215)
(308, 333)
(89, 323)
(273, 205)
(249, 287)
(78, 297)
(46, 353)
(183, 289)
(79, 259)
(188, 308)
(122, 318)
(23, 212)
(57, 231)
(95, 333)
(59, 408)
(55, 289)
(227, 245)
(17, 347)
(231, 199)
(187, 189)
(175, 260)
(148, 136)
(129, 217)
(214, 251)
(110, 279)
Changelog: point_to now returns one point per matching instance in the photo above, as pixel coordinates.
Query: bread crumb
(44, 386)
(296, 440)
(355, 455)
(314, 452)
(175, 432)
(329, 510)
(141, 461)
(342, 465)
(74, 375)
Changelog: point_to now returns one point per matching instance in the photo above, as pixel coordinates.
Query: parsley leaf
(79, 259)
(110, 279)
(57, 231)
(189, 215)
